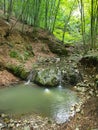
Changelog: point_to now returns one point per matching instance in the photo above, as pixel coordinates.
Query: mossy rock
(90, 59)
(58, 48)
(18, 70)
(47, 77)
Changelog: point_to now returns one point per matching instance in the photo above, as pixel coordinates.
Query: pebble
(35, 127)
(88, 97)
(77, 128)
(17, 125)
(91, 93)
(1, 125)
(26, 128)
(11, 125)
(3, 115)
(96, 77)
(78, 110)
(11, 120)
(85, 81)
(72, 108)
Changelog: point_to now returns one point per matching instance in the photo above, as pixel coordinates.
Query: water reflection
(60, 87)
(49, 102)
(47, 90)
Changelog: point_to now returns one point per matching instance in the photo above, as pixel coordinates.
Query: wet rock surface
(49, 72)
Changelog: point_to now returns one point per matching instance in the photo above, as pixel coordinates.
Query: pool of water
(54, 103)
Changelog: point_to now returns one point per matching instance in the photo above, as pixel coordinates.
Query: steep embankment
(24, 49)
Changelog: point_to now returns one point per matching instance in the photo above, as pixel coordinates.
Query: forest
(70, 21)
(49, 64)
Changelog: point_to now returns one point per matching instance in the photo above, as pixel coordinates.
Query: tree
(94, 22)
(56, 12)
(66, 21)
(9, 12)
(81, 7)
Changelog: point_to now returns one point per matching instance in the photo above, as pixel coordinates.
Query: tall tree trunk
(95, 22)
(46, 14)
(82, 23)
(92, 24)
(56, 12)
(66, 22)
(10, 5)
(36, 14)
(4, 7)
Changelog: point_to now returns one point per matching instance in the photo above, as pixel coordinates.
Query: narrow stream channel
(54, 103)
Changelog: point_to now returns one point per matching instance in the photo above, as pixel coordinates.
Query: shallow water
(54, 103)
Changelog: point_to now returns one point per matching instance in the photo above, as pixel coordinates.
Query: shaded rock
(90, 59)
(71, 76)
(52, 76)
(18, 70)
(57, 48)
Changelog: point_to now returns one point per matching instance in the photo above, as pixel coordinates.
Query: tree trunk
(10, 5)
(4, 7)
(56, 12)
(66, 22)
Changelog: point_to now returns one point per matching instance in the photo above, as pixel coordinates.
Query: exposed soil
(29, 41)
(20, 43)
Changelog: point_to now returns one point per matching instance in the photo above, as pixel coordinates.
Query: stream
(54, 103)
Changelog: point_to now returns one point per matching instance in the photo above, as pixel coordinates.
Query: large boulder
(57, 48)
(52, 76)
(18, 70)
(71, 76)
(47, 77)
(90, 59)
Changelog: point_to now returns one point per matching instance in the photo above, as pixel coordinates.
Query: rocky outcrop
(53, 76)
(50, 75)
(90, 59)
(47, 77)
(18, 70)
(71, 76)
(57, 48)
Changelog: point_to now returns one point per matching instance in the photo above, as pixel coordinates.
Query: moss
(47, 77)
(58, 48)
(18, 70)
(13, 54)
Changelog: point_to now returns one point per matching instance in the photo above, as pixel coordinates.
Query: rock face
(52, 77)
(18, 70)
(90, 59)
(71, 76)
(58, 48)
(47, 77)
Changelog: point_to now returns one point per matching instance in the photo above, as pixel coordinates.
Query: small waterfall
(59, 79)
(29, 78)
(27, 82)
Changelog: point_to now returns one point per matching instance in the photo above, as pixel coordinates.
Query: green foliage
(21, 56)
(14, 54)
(58, 16)
(18, 70)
